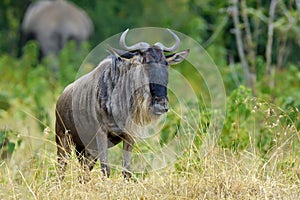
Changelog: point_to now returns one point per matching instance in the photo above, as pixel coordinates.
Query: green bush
(9, 140)
(34, 84)
(235, 134)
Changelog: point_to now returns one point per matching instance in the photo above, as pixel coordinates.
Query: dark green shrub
(9, 140)
(235, 134)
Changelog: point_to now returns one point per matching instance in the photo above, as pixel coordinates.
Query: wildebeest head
(155, 64)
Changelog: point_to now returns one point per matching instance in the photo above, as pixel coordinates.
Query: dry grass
(213, 174)
(218, 175)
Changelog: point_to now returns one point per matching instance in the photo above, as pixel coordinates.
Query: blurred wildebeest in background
(53, 24)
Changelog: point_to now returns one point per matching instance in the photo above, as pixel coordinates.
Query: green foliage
(207, 21)
(4, 101)
(9, 140)
(33, 84)
(11, 13)
(70, 60)
(254, 123)
(235, 134)
(170, 129)
(112, 17)
(283, 89)
(265, 140)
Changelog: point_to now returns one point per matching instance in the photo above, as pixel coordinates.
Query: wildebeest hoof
(105, 170)
(83, 179)
(127, 175)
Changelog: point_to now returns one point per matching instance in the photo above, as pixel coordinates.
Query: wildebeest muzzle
(159, 99)
(158, 77)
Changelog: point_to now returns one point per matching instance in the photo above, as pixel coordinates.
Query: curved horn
(137, 46)
(172, 48)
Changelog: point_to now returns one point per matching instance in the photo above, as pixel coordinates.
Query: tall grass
(218, 175)
(251, 172)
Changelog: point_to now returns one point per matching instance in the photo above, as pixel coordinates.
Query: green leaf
(11, 147)
(4, 102)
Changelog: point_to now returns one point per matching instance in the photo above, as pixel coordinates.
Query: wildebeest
(53, 23)
(127, 90)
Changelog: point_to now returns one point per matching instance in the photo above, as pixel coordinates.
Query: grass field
(201, 172)
(217, 175)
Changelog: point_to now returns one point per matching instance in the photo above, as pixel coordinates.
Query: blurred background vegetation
(254, 43)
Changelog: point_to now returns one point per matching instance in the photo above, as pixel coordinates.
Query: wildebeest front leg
(102, 146)
(127, 149)
(63, 142)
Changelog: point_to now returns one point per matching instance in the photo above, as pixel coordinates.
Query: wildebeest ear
(121, 53)
(178, 57)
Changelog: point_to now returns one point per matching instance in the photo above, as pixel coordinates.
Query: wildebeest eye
(128, 55)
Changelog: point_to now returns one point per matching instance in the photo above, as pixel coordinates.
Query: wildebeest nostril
(166, 106)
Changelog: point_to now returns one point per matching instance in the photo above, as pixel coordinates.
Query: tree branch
(240, 46)
(270, 35)
(250, 45)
